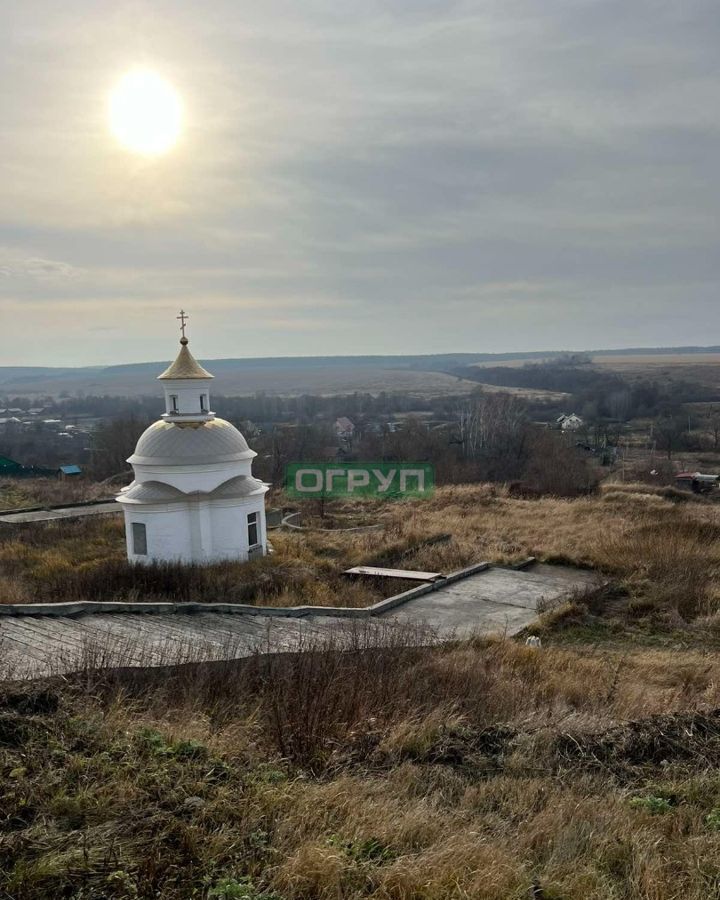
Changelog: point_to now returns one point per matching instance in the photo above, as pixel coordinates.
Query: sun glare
(145, 112)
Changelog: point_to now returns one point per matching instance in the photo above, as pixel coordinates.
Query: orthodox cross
(183, 317)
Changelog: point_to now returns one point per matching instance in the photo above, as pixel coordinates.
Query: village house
(344, 429)
(10, 424)
(572, 422)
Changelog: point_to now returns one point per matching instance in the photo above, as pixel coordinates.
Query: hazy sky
(361, 177)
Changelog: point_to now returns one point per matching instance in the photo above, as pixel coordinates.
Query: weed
(153, 741)
(656, 806)
(239, 889)
(367, 850)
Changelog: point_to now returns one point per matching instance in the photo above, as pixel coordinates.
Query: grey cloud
(479, 172)
(36, 269)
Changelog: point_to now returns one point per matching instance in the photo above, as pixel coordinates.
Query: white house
(194, 498)
(569, 423)
(344, 428)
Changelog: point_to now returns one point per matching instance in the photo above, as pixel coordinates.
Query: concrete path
(64, 512)
(496, 600)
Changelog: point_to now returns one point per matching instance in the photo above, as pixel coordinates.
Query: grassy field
(659, 547)
(17, 493)
(529, 394)
(482, 770)
(650, 361)
(618, 361)
(700, 368)
(289, 382)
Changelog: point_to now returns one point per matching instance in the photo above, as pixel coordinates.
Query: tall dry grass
(479, 770)
(85, 560)
(16, 493)
(673, 563)
(663, 550)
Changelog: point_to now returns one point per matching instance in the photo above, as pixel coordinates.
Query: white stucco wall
(187, 394)
(167, 529)
(196, 531)
(230, 528)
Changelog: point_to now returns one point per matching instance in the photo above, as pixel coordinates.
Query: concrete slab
(488, 600)
(494, 600)
(67, 512)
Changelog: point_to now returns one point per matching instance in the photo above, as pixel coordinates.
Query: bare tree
(491, 424)
(714, 425)
(669, 432)
(112, 443)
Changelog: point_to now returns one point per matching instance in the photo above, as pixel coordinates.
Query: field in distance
(427, 376)
(703, 368)
(248, 377)
(239, 381)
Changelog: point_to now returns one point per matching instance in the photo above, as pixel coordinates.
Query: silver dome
(171, 444)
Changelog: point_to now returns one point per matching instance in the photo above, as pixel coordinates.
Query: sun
(145, 112)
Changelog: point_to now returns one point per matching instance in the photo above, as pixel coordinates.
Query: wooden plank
(143, 637)
(183, 629)
(407, 574)
(40, 638)
(53, 630)
(20, 640)
(223, 628)
(109, 640)
(59, 653)
(65, 637)
(68, 512)
(126, 646)
(153, 625)
(182, 639)
(65, 649)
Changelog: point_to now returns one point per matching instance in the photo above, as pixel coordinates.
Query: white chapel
(194, 498)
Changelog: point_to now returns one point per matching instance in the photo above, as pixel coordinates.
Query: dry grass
(663, 548)
(484, 769)
(85, 560)
(288, 381)
(16, 493)
(474, 771)
(652, 361)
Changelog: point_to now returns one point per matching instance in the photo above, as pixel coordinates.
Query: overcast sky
(408, 176)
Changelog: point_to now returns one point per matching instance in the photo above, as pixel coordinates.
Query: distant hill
(426, 374)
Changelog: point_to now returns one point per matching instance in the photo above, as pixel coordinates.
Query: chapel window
(139, 539)
(252, 521)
